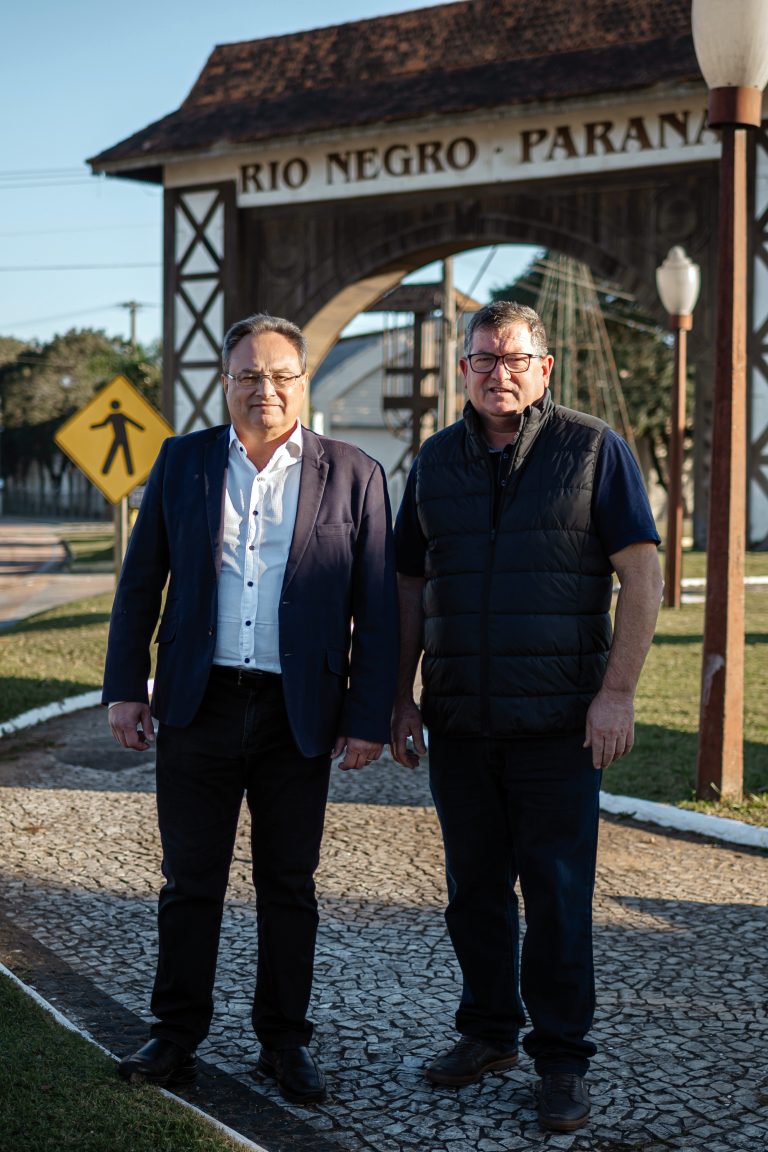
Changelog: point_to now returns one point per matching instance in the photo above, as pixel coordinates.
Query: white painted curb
(56, 708)
(243, 1141)
(682, 820)
(49, 711)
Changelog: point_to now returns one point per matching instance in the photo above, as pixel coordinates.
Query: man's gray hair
(504, 314)
(257, 324)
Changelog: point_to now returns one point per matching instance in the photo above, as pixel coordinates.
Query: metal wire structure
(584, 375)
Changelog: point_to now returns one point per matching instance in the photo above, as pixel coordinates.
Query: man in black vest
(513, 522)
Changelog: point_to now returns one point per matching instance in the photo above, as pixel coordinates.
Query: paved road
(32, 576)
(681, 956)
(681, 943)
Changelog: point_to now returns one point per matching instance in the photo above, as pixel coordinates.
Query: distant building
(368, 392)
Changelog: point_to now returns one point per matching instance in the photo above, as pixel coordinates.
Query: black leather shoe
(158, 1062)
(298, 1076)
(467, 1062)
(563, 1103)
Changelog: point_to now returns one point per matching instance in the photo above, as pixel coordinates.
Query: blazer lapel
(314, 472)
(215, 467)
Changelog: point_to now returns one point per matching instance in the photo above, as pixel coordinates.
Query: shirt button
(250, 583)
(247, 660)
(247, 623)
(251, 547)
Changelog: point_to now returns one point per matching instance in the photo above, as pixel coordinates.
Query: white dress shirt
(259, 518)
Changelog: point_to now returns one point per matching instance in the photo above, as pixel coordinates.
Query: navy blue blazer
(337, 679)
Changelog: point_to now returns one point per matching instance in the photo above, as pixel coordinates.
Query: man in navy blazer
(276, 652)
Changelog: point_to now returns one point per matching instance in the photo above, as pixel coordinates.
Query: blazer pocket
(167, 629)
(337, 661)
(333, 529)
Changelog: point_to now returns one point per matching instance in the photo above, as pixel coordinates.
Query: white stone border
(56, 708)
(49, 711)
(648, 811)
(684, 820)
(243, 1141)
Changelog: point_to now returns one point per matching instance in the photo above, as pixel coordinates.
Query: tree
(10, 348)
(43, 384)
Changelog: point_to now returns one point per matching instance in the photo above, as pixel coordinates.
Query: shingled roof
(450, 59)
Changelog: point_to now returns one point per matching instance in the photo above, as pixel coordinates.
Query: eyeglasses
(259, 379)
(485, 362)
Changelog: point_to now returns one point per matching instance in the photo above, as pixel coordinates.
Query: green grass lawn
(58, 1092)
(90, 548)
(662, 765)
(695, 564)
(52, 655)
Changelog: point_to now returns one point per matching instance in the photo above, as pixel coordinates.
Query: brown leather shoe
(468, 1061)
(563, 1102)
(298, 1076)
(158, 1062)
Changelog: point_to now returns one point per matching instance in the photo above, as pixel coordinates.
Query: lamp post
(678, 280)
(446, 407)
(731, 42)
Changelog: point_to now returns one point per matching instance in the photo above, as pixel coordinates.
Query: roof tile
(448, 59)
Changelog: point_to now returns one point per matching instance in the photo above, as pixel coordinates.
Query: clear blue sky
(77, 76)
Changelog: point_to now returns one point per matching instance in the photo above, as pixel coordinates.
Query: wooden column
(719, 771)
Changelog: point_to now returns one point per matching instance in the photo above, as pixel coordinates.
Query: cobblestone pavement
(680, 942)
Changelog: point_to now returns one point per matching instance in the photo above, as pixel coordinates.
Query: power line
(7, 173)
(68, 315)
(74, 267)
(67, 231)
(43, 178)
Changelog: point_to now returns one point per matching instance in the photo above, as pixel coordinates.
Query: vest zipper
(496, 517)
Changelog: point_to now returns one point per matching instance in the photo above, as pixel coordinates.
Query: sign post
(115, 440)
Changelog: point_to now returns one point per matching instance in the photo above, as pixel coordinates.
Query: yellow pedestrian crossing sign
(115, 439)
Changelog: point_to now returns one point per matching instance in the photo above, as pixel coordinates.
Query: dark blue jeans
(522, 809)
(239, 744)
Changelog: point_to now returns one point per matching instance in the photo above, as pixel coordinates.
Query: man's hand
(610, 726)
(611, 717)
(406, 721)
(357, 753)
(131, 725)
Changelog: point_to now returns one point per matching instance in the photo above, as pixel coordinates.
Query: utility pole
(121, 508)
(447, 402)
(133, 307)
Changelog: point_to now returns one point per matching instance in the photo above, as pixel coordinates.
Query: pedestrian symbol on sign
(119, 422)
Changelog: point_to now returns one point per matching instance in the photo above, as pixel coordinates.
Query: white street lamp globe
(678, 281)
(731, 42)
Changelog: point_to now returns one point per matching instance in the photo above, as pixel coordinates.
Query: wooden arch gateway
(307, 174)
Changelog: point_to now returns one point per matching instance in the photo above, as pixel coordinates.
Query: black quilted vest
(517, 598)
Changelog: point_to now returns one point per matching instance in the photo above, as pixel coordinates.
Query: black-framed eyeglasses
(485, 362)
(259, 379)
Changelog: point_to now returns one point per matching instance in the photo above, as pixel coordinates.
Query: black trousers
(239, 744)
(527, 809)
